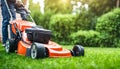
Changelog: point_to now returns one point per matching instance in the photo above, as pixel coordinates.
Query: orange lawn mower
(33, 41)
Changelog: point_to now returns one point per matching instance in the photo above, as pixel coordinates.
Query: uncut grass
(95, 58)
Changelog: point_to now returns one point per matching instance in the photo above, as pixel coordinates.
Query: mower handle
(17, 30)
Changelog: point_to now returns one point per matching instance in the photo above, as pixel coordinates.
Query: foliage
(45, 19)
(109, 27)
(62, 26)
(86, 38)
(42, 19)
(35, 13)
(95, 58)
(39, 18)
(86, 20)
(58, 6)
(34, 7)
(35, 16)
(99, 7)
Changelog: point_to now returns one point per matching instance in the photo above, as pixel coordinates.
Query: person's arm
(0, 2)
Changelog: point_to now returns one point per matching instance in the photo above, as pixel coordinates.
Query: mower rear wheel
(37, 51)
(78, 50)
(72, 52)
(10, 46)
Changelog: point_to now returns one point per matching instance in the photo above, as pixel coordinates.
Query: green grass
(95, 58)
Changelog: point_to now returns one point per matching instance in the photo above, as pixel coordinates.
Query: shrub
(42, 19)
(35, 16)
(62, 26)
(109, 27)
(85, 21)
(86, 38)
(45, 19)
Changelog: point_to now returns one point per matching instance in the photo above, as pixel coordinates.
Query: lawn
(95, 58)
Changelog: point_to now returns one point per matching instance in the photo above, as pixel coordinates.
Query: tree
(117, 3)
(100, 7)
(58, 6)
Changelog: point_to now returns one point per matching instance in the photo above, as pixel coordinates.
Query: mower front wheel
(37, 51)
(78, 50)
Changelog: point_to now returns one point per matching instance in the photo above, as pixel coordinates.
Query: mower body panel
(21, 25)
(56, 50)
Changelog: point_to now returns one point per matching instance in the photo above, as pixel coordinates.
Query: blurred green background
(93, 23)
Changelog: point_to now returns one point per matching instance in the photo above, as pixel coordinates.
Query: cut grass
(95, 58)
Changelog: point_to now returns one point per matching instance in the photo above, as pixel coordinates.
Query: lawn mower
(34, 41)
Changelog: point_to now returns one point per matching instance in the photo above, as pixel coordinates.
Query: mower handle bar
(11, 13)
(17, 30)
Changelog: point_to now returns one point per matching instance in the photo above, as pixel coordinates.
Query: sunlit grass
(95, 58)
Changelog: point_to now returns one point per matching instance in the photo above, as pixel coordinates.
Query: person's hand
(26, 8)
(19, 3)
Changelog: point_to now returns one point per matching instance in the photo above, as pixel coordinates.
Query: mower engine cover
(36, 34)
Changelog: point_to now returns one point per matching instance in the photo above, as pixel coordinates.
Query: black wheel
(47, 52)
(72, 52)
(10, 46)
(78, 50)
(37, 51)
